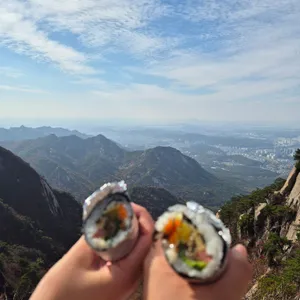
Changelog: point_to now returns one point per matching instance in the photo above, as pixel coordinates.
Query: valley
(44, 180)
(79, 166)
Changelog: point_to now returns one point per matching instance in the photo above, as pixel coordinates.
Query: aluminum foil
(102, 193)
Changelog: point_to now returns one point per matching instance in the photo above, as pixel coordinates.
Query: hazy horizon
(91, 125)
(149, 62)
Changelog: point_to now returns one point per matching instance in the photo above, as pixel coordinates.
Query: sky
(150, 61)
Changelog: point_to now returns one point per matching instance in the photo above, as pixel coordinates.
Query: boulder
(258, 210)
(290, 182)
(294, 228)
(294, 197)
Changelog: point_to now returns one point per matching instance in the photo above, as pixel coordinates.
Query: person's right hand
(81, 274)
(162, 283)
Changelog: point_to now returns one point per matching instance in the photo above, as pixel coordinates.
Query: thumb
(82, 256)
(239, 271)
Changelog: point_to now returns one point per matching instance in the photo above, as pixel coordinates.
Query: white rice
(91, 228)
(213, 242)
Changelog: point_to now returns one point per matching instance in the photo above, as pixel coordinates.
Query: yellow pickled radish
(184, 232)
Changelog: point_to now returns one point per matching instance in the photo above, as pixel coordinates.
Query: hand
(81, 274)
(162, 283)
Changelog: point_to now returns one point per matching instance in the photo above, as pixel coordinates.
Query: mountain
(80, 165)
(183, 176)
(165, 166)
(26, 133)
(28, 194)
(71, 163)
(213, 152)
(268, 222)
(161, 136)
(37, 226)
(155, 199)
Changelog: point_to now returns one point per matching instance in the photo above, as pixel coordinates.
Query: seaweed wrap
(110, 226)
(195, 242)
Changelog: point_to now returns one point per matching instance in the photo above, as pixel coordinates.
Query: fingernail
(240, 250)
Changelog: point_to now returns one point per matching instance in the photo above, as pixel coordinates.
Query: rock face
(258, 210)
(268, 223)
(260, 219)
(294, 202)
(37, 226)
(290, 182)
(294, 197)
(29, 194)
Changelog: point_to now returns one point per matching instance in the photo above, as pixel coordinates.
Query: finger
(82, 255)
(241, 250)
(156, 254)
(146, 227)
(239, 272)
(140, 210)
(156, 249)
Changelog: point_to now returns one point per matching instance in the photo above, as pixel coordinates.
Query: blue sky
(147, 60)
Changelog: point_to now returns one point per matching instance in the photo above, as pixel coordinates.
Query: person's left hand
(81, 274)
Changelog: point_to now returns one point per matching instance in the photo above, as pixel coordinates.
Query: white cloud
(10, 72)
(24, 89)
(26, 27)
(188, 56)
(20, 32)
(119, 24)
(255, 54)
(89, 81)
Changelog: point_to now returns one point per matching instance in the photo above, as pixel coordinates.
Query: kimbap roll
(109, 224)
(195, 242)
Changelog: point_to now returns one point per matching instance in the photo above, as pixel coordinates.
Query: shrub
(297, 159)
(298, 232)
(246, 224)
(284, 284)
(231, 211)
(274, 247)
(279, 212)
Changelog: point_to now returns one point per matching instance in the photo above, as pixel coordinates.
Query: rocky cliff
(294, 202)
(37, 226)
(268, 223)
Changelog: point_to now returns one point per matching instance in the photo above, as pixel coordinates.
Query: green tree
(283, 283)
(297, 154)
(297, 158)
(274, 247)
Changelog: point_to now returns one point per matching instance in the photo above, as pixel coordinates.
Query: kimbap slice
(193, 243)
(110, 225)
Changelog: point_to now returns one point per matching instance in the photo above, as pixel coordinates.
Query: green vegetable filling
(198, 265)
(195, 264)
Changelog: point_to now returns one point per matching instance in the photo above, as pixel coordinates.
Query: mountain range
(38, 224)
(79, 166)
(26, 133)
